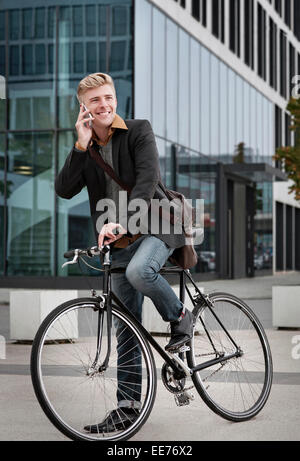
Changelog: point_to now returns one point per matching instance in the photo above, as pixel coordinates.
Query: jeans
(143, 260)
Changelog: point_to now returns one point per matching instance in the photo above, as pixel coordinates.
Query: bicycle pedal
(181, 349)
(183, 399)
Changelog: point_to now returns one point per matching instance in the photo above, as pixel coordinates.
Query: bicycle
(74, 360)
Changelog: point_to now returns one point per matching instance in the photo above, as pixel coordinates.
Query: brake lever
(74, 260)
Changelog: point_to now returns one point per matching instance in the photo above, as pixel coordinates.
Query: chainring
(175, 386)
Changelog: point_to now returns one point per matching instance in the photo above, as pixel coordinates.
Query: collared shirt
(117, 123)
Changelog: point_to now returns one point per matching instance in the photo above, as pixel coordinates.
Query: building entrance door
(236, 226)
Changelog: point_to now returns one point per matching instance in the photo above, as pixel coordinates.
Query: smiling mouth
(104, 113)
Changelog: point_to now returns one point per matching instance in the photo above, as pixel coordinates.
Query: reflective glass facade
(45, 49)
(202, 108)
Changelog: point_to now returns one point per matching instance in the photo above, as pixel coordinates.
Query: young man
(130, 149)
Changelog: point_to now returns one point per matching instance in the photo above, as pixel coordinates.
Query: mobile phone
(90, 116)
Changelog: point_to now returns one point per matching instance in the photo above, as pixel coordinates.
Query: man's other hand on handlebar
(110, 232)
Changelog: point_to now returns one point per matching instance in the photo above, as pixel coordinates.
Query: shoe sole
(108, 430)
(178, 346)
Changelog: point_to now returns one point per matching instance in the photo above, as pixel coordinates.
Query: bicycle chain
(215, 371)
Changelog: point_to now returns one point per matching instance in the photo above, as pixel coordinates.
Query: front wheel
(75, 395)
(238, 388)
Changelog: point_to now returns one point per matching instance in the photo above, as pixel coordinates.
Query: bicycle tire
(53, 382)
(246, 379)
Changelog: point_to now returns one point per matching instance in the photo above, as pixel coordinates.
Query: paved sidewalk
(22, 418)
(253, 288)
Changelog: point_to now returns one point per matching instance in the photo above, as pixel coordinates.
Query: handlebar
(90, 252)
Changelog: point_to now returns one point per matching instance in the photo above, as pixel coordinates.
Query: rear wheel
(72, 394)
(238, 388)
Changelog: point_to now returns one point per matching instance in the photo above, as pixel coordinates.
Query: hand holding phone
(84, 125)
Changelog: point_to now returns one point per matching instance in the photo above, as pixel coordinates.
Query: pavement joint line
(279, 378)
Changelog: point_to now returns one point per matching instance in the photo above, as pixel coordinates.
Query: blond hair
(94, 81)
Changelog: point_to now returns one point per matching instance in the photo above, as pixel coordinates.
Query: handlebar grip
(69, 254)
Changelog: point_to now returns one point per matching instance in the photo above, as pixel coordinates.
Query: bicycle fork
(104, 303)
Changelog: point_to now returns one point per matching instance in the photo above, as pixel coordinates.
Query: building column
(209, 16)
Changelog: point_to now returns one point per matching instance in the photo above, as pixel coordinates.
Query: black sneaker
(116, 420)
(181, 331)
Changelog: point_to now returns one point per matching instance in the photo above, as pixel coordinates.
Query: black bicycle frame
(200, 302)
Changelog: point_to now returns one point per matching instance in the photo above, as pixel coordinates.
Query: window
(199, 11)
(292, 68)
(196, 9)
(249, 34)
(204, 11)
(287, 12)
(215, 17)
(77, 21)
(27, 60)
(40, 59)
(181, 2)
(51, 22)
(283, 68)
(39, 22)
(30, 238)
(278, 6)
(273, 54)
(297, 18)
(14, 24)
(234, 26)
(14, 60)
(90, 18)
(119, 20)
(117, 60)
(2, 25)
(78, 57)
(2, 60)
(288, 137)
(172, 79)
(218, 20)
(278, 131)
(27, 23)
(158, 72)
(65, 22)
(261, 41)
(91, 57)
(102, 20)
(51, 58)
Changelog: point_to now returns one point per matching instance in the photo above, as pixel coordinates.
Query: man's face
(102, 103)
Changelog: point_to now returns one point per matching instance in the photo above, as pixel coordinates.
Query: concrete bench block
(28, 308)
(286, 306)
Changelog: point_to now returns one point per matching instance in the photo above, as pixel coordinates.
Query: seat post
(182, 287)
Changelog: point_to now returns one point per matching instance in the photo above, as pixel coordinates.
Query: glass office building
(44, 51)
(210, 120)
